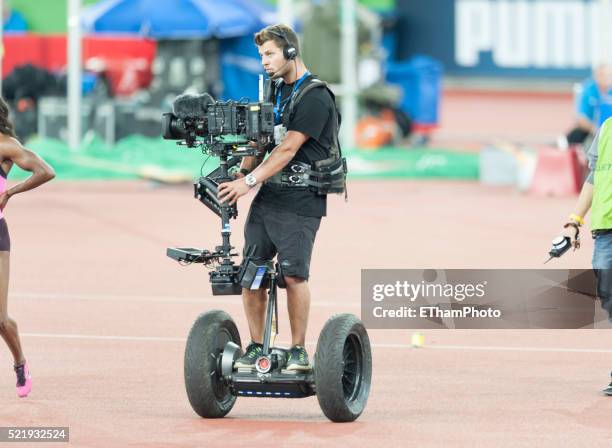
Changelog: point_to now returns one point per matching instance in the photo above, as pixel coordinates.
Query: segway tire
(208, 393)
(343, 368)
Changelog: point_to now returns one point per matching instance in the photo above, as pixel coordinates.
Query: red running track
(104, 315)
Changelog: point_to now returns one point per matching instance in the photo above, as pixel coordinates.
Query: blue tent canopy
(173, 19)
(233, 21)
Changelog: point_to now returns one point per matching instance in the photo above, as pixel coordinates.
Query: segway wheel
(343, 368)
(208, 393)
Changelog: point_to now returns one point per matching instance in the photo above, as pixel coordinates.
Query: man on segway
(286, 213)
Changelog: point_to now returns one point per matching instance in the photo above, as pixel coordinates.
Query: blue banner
(517, 38)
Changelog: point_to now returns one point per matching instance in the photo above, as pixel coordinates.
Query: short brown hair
(280, 33)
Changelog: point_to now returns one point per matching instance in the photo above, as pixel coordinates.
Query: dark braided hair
(6, 126)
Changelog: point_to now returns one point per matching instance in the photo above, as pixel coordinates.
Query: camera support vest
(327, 175)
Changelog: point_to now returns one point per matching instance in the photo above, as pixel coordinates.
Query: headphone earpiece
(289, 51)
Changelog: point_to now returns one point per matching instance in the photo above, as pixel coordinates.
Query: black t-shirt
(311, 116)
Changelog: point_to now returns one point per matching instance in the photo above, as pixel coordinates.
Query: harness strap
(300, 175)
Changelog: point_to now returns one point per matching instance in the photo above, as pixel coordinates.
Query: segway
(342, 365)
(341, 375)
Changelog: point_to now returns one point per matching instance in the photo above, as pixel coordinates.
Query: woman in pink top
(11, 152)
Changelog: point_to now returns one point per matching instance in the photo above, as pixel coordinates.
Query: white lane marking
(223, 300)
(97, 337)
(313, 344)
(522, 349)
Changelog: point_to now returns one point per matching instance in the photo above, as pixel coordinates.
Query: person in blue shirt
(593, 106)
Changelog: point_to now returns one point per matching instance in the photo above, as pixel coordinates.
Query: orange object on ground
(373, 132)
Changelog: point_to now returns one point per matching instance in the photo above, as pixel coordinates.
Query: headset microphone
(276, 74)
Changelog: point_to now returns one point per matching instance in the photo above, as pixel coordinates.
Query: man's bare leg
(298, 304)
(254, 303)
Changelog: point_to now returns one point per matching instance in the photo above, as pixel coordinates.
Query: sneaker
(24, 380)
(608, 390)
(247, 361)
(297, 359)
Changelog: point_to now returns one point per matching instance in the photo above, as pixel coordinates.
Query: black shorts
(5, 240)
(282, 232)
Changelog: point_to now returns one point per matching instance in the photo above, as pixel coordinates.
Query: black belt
(599, 232)
(296, 175)
(330, 178)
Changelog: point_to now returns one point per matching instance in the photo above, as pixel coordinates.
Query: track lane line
(313, 343)
(159, 299)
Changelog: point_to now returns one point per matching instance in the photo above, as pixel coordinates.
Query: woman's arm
(27, 160)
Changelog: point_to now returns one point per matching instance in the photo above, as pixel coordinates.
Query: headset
(289, 50)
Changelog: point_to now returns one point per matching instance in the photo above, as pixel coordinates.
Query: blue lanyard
(280, 106)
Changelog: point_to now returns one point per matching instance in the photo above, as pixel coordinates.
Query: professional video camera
(228, 130)
(196, 116)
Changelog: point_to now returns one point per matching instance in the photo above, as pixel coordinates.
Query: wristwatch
(250, 180)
